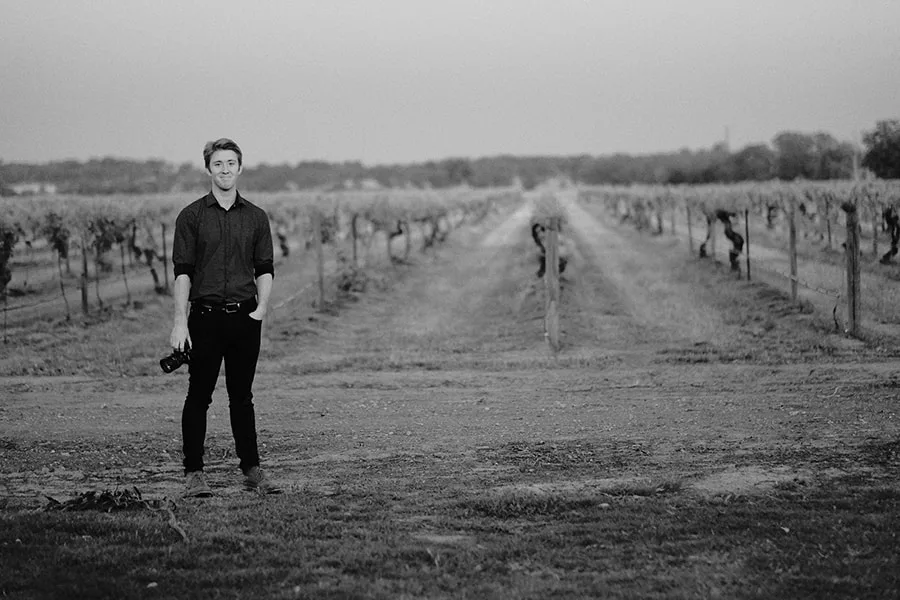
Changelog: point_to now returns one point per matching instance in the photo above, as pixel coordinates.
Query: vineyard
(565, 392)
(119, 244)
(793, 236)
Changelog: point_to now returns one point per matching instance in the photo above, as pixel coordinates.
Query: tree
(795, 155)
(4, 190)
(834, 159)
(882, 144)
(459, 171)
(754, 163)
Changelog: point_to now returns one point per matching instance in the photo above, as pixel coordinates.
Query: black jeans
(234, 338)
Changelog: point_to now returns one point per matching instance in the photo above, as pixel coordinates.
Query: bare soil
(672, 373)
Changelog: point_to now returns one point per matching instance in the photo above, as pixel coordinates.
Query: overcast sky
(386, 81)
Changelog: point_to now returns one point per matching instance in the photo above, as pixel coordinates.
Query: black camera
(175, 360)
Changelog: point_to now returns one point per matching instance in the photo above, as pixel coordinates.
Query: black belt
(225, 307)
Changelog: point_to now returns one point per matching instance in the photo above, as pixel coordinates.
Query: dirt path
(643, 288)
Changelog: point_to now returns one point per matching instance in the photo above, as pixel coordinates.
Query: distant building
(368, 183)
(32, 188)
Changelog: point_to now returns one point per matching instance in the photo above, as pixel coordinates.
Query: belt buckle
(232, 308)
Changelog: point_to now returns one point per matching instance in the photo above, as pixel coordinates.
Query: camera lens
(173, 361)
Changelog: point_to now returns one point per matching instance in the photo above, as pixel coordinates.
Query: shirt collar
(211, 199)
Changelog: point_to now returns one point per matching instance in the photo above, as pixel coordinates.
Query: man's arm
(263, 266)
(184, 258)
(181, 337)
(263, 290)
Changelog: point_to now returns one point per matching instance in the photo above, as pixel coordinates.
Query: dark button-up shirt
(222, 251)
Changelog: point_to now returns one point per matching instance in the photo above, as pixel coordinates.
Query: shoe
(195, 485)
(255, 480)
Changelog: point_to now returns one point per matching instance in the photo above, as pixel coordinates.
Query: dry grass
(395, 528)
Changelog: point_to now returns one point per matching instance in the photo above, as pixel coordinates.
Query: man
(223, 259)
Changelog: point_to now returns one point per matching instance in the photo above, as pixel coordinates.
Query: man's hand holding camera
(181, 337)
(181, 347)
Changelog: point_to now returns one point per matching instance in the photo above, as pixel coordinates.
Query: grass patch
(415, 527)
(559, 455)
(835, 542)
(509, 505)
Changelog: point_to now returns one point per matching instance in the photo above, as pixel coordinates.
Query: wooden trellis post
(875, 224)
(355, 240)
(165, 259)
(551, 278)
(407, 225)
(320, 257)
(852, 250)
(62, 287)
(672, 216)
(124, 275)
(747, 239)
(84, 276)
(388, 238)
(792, 235)
(687, 209)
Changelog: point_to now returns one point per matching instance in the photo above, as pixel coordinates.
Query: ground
(678, 392)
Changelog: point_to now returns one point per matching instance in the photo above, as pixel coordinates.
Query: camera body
(175, 360)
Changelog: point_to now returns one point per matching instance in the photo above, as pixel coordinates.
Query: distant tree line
(791, 155)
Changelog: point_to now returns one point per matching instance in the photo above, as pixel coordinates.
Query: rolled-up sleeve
(264, 251)
(185, 244)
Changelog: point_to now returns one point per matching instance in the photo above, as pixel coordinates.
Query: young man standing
(223, 259)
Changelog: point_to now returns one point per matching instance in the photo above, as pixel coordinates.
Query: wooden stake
(165, 259)
(388, 238)
(852, 253)
(62, 287)
(125, 275)
(355, 240)
(747, 239)
(875, 223)
(84, 277)
(672, 218)
(97, 274)
(551, 278)
(320, 257)
(407, 226)
(792, 233)
(690, 232)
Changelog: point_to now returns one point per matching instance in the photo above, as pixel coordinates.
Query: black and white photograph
(497, 300)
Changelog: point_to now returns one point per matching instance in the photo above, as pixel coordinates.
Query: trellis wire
(757, 264)
(7, 308)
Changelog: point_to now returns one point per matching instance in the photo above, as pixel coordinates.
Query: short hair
(221, 144)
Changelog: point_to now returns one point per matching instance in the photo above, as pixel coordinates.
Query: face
(224, 169)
